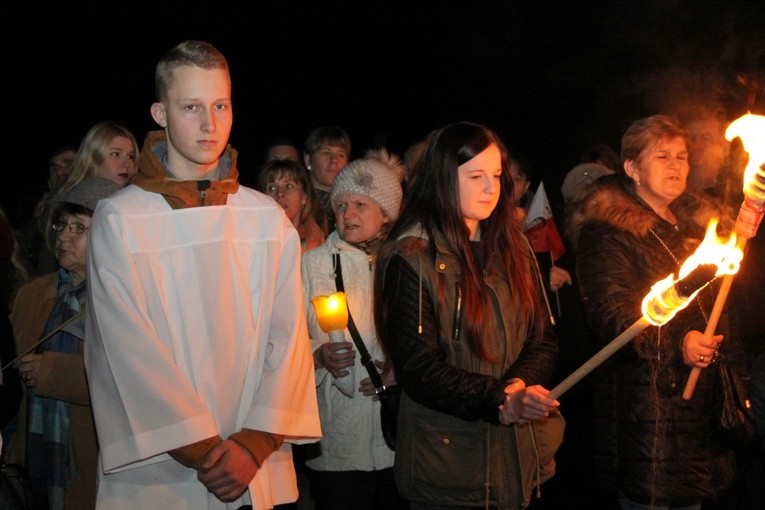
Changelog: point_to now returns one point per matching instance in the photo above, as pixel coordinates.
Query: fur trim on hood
(153, 176)
(614, 201)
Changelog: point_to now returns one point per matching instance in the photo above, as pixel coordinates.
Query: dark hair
(434, 204)
(277, 168)
(53, 183)
(331, 135)
(62, 149)
(274, 142)
(57, 214)
(71, 209)
(603, 154)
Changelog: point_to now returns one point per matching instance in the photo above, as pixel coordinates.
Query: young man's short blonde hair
(188, 53)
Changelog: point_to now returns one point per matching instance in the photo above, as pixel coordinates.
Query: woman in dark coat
(634, 229)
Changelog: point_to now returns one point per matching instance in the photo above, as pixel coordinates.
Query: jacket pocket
(449, 454)
(538, 444)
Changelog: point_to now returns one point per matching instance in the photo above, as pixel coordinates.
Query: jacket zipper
(457, 312)
(203, 186)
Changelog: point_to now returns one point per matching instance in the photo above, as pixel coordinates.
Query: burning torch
(667, 297)
(751, 130)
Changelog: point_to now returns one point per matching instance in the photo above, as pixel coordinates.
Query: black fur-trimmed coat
(652, 445)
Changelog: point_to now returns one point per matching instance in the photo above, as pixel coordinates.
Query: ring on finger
(702, 358)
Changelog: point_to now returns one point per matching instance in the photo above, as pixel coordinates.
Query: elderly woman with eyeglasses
(55, 438)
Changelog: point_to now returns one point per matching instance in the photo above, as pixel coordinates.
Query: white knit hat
(378, 176)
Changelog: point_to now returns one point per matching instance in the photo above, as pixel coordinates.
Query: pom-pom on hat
(377, 176)
(88, 192)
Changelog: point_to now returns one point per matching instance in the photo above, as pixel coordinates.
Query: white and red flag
(540, 228)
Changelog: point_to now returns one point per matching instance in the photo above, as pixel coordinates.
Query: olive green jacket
(450, 448)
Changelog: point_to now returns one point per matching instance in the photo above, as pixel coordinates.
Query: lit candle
(331, 312)
(332, 315)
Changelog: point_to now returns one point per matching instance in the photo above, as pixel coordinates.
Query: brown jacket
(61, 376)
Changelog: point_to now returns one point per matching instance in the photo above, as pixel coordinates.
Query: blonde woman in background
(109, 151)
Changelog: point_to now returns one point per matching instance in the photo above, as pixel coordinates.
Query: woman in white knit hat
(354, 467)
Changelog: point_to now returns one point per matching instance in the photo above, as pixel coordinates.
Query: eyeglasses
(288, 189)
(74, 228)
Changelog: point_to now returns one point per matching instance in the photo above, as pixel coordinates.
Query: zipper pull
(203, 186)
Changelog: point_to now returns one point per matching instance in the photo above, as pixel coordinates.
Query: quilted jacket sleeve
(615, 272)
(537, 361)
(421, 366)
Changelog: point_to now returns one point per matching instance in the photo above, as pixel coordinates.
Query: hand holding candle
(332, 315)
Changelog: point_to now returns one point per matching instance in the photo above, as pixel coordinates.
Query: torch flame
(664, 299)
(751, 130)
(713, 250)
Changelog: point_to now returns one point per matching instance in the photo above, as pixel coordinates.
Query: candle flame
(664, 299)
(751, 130)
(331, 311)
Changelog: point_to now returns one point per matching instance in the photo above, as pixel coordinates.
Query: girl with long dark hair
(461, 318)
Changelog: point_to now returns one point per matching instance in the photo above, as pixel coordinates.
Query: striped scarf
(50, 456)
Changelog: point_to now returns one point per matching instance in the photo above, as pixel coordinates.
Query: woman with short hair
(633, 229)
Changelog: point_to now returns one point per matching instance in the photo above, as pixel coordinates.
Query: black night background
(550, 77)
